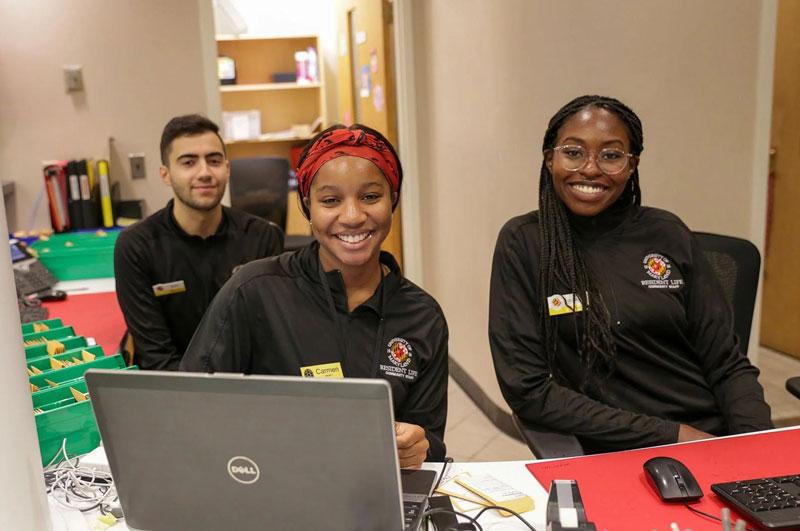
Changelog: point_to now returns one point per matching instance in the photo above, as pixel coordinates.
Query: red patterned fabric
(352, 143)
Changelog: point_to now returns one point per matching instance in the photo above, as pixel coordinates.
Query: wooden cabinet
(282, 105)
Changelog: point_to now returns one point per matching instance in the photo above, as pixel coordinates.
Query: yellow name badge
(169, 288)
(326, 370)
(561, 304)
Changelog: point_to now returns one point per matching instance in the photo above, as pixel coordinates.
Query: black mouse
(51, 295)
(672, 480)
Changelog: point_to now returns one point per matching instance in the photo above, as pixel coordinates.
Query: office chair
(736, 264)
(793, 386)
(260, 186)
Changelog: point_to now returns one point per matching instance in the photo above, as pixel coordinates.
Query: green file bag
(53, 333)
(68, 375)
(64, 418)
(43, 363)
(27, 328)
(37, 351)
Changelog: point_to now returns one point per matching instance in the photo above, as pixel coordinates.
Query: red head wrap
(348, 143)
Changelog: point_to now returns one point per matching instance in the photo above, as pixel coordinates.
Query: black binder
(74, 196)
(88, 206)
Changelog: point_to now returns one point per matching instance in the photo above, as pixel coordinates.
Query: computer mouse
(51, 295)
(672, 480)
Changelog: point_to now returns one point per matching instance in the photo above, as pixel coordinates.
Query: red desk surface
(618, 496)
(94, 315)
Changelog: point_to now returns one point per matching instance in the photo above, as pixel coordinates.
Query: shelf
(271, 137)
(268, 86)
(233, 38)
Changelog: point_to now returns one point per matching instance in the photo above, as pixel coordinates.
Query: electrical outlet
(73, 78)
(137, 165)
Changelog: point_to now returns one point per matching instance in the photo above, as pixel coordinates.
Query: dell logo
(243, 469)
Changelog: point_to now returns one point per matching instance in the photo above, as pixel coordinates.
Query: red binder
(618, 496)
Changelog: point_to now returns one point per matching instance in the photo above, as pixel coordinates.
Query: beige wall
(143, 62)
(490, 74)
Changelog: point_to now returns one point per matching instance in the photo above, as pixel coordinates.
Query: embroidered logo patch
(400, 354)
(660, 270)
(657, 266)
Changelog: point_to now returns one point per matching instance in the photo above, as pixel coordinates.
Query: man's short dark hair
(186, 125)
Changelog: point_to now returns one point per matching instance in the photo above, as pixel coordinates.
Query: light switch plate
(73, 78)
(137, 165)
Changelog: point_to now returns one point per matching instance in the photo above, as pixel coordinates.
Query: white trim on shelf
(233, 38)
(259, 87)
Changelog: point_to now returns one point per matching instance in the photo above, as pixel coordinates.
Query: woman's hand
(687, 433)
(412, 446)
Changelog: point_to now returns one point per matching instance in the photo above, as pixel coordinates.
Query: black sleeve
(222, 341)
(521, 362)
(426, 405)
(733, 380)
(152, 339)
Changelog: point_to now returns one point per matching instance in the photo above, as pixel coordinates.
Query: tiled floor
(470, 436)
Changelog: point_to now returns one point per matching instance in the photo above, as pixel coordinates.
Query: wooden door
(366, 78)
(780, 321)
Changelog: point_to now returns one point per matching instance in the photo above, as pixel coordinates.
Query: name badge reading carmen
(325, 370)
(169, 288)
(561, 304)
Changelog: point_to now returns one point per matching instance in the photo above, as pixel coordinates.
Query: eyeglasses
(609, 160)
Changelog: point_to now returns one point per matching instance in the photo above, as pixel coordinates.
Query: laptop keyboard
(413, 507)
(773, 502)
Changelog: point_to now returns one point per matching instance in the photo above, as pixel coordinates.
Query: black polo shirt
(285, 315)
(166, 278)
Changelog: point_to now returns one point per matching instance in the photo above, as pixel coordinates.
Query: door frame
(407, 138)
(765, 73)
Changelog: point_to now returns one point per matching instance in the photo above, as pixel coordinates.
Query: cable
(447, 461)
(701, 513)
(76, 487)
(473, 521)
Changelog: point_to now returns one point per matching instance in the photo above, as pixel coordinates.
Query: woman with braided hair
(605, 319)
(339, 307)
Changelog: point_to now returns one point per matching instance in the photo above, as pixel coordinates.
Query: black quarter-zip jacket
(157, 251)
(678, 360)
(281, 314)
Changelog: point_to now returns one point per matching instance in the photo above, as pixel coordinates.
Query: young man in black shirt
(170, 266)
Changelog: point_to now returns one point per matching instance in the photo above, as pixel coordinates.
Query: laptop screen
(18, 253)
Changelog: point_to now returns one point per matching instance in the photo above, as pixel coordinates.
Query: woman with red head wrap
(340, 306)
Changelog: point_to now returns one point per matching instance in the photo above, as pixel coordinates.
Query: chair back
(260, 186)
(736, 264)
